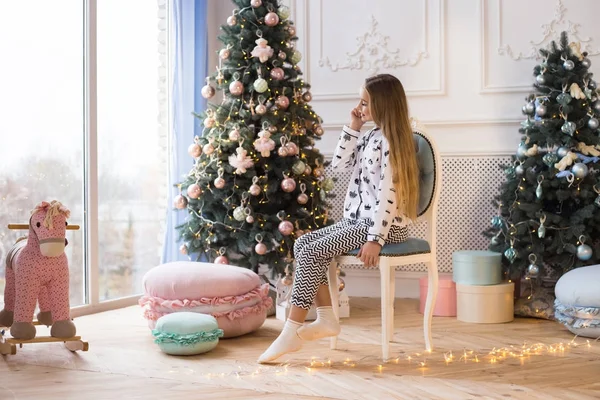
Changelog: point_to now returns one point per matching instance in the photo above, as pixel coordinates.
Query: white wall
(466, 65)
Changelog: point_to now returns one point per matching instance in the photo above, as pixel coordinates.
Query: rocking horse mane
(51, 209)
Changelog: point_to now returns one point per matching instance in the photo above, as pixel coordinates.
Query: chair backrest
(430, 168)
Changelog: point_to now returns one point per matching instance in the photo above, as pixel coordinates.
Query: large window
(46, 91)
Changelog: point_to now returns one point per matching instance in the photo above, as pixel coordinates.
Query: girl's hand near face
(356, 121)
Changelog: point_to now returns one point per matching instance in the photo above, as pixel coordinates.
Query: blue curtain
(189, 56)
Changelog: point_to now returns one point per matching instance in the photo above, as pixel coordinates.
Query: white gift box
(283, 309)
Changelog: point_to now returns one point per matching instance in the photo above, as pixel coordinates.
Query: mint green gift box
(477, 267)
(186, 333)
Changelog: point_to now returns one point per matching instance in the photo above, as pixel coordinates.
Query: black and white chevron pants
(314, 252)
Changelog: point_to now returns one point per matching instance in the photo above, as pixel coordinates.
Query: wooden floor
(123, 363)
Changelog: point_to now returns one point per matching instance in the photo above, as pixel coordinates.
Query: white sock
(287, 342)
(325, 325)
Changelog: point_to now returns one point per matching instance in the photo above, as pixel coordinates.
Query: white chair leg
(335, 298)
(384, 268)
(432, 291)
(392, 299)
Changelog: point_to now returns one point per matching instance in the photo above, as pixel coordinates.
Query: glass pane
(41, 128)
(131, 173)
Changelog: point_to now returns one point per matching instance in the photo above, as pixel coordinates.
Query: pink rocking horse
(37, 269)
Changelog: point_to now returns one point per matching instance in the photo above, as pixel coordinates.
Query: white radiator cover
(469, 184)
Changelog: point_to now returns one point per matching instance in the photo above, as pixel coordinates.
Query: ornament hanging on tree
(209, 121)
(261, 109)
(539, 191)
(511, 253)
(277, 73)
(262, 51)
(219, 181)
(180, 202)
(282, 151)
(183, 249)
(261, 85)
(564, 98)
(292, 149)
(285, 227)
(291, 30)
(239, 214)
(194, 150)
(225, 53)
(232, 19)
(208, 91)
(576, 91)
(568, 65)
(221, 259)
(584, 252)
(282, 56)
(264, 144)
(283, 102)
(283, 12)
(302, 197)
(298, 167)
(288, 184)
(533, 270)
(586, 63)
(234, 134)
(254, 189)
(528, 108)
(236, 87)
(271, 19)
(541, 110)
(568, 128)
(593, 123)
(208, 148)
(194, 191)
(260, 248)
(580, 170)
(296, 57)
(542, 228)
(256, 3)
(241, 161)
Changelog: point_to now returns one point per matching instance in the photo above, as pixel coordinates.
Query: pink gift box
(445, 304)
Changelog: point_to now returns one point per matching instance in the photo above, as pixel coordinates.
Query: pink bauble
(224, 54)
(319, 131)
(271, 19)
(250, 219)
(208, 91)
(234, 135)
(318, 172)
(256, 3)
(208, 149)
(288, 185)
(261, 109)
(291, 30)
(286, 228)
(282, 151)
(307, 170)
(272, 129)
(180, 202)
(236, 88)
(209, 122)
(254, 189)
(221, 260)
(282, 55)
(260, 249)
(277, 74)
(292, 148)
(183, 249)
(283, 102)
(231, 20)
(302, 198)
(194, 191)
(219, 183)
(194, 150)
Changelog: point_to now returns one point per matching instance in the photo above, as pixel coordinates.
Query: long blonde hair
(389, 110)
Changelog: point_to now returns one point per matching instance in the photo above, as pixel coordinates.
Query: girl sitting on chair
(381, 200)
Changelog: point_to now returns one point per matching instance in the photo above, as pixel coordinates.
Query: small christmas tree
(549, 204)
(258, 182)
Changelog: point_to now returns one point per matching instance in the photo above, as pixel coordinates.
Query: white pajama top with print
(371, 194)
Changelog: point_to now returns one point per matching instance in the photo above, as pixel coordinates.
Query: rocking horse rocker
(37, 269)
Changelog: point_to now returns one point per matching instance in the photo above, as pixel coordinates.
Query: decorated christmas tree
(549, 206)
(258, 182)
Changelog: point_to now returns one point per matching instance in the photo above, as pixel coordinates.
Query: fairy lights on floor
(421, 361)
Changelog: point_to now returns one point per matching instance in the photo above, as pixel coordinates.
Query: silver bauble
(586, 62)
(528, 108)
(541, 79)
(584, 252)
(580, 170)
(593, 123)
(522, 150)
(541, 110)
(592, 85)
(533, 270)
(562, 151)
(519, 170)
(597, 106)
(568, 65)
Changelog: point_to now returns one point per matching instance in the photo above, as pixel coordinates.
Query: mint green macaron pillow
(186, 333)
